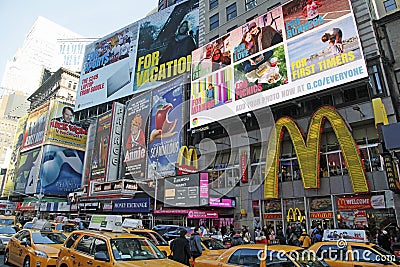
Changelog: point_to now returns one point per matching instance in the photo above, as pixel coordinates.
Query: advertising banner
(87, 164)
(27, 172)
(108, 67)
(35, 127)
(165, 129)
(71, 52)
(135, 131)
(62, 130)
(288, 52)
(115, 141)
(221, 202)
(15, 157)
(166, 40)
(184, 191)
(100, 149)
(61, 170)
(132, 205)
(361, 202)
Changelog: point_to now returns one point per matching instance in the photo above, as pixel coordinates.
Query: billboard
(165, 126)
(71, 52)
(189, 190)
(60, 170)
(107, 69)
(15, 157)
(35, 127)
(62, 130)
(288, 52)
(27, 172)
(100, 149)
(166, 41)
(134, 147)
(142, 55)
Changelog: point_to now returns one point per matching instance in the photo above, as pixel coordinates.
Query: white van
(106, 223)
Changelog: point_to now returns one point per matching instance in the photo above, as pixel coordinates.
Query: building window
(213, 4)
(390, 5)
(214, 22)
(231, 12)
(375, 79)
(250, 4)
(74, 86)
(69, 84)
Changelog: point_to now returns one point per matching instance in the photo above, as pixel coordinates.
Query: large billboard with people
(140, 56)
(35, 127)
(291, 51)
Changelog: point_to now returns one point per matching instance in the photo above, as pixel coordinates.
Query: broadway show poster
(100, 150)
(269, 72)
(212, 91)
(15, 157)
(62, 130)
(87, 164)
(27, 172)
(35, 127)
(60, 171)
(166, 41)
(304, 15)
(165, 129)
(324, 56)
(134, 147)
(108, 68)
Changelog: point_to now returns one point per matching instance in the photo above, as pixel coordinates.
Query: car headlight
(40, 253)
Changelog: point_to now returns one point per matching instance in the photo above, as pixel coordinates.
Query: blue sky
(89, 18)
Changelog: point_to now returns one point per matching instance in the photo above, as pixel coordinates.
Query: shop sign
(321, 215)
(199, 214)
(221, 202)
(107, 206)
(361, 202)
(89, 206)
(243, 166)
(176, 212)
(187, 161)
(294, 215)
(391, 173)
(273, 216)
(308, 151)
(132, 205)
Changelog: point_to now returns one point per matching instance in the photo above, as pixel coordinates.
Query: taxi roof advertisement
(288, 52)
(142, 55)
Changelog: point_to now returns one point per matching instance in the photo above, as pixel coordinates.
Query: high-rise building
(39, 50)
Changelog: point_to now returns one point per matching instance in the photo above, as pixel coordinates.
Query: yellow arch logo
(308, 153)
(187, 160)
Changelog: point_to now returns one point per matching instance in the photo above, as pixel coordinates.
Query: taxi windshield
(133, 249)
(306, 258)
(213, 244)
(48, 238)
(160, 240)
(389, 255)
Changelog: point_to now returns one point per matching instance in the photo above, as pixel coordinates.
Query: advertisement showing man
(166, 40)
(100, 149)
(35, 127)
(62, 130)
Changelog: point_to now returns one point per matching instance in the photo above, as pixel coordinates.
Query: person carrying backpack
(195, 244)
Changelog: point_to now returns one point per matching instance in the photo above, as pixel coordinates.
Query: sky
(89, 18)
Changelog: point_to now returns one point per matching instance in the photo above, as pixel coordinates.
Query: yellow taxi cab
(260, 255)
(158, 240)
(37, 246)
(350, 248)
(86, 248)
(212, 246)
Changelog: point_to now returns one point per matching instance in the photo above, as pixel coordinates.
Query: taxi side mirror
(101, 256)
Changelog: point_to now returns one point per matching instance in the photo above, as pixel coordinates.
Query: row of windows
(231, 12)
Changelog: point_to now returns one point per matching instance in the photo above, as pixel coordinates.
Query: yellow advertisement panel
(62, 130)
(15, 156)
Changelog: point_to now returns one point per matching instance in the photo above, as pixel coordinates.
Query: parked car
(175, 233)
(163, 228)
(6, 232)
